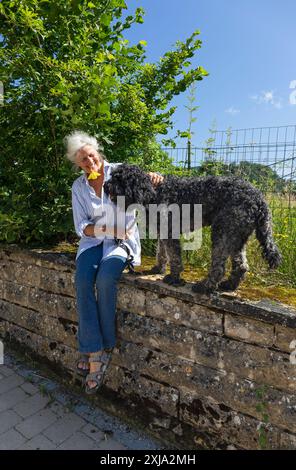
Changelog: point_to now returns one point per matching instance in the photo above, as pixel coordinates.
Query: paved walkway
(36, 413)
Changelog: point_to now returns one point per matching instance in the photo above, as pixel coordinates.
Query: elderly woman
(99, 259)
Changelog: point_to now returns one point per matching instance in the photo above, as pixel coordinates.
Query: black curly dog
(231, 206)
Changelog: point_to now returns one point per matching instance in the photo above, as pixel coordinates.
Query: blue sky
(248, 49)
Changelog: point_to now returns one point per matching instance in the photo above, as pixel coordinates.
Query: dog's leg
(220, 253)
(173, 249)
(161, 258)
(239, 269)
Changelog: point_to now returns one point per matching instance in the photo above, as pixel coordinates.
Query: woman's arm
(81, 220)
(91, 231)
(84, 225)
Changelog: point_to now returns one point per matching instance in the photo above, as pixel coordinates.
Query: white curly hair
(78, 139)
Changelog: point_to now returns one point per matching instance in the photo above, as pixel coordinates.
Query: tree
(66, 64)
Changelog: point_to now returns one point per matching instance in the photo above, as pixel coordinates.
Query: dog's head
(132, 183)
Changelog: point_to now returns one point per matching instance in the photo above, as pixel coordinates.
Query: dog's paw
(202, 288)
(226, 286)
(157, 270)
(173, 281)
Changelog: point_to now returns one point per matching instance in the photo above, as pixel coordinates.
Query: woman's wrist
(111, 232)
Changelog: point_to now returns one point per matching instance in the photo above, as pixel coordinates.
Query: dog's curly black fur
(231, 206)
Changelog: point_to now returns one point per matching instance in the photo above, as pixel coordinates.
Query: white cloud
(232, 110)
(292, 98)
(268, 97)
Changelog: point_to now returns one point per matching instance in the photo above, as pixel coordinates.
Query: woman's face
(88, 159)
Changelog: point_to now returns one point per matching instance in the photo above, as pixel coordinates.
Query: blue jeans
(97, 314)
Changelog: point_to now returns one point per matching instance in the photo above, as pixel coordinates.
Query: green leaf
(105, 19)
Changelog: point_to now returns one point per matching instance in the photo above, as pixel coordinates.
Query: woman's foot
(95, 366)
(82, 365)
(98, 364)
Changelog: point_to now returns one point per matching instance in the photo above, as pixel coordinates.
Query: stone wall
(197, 372)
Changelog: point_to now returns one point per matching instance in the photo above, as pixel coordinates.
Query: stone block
(47, 349)
(131, 299)
(155, 397)
(66, 308)
(248, 330)
(287, 441)
(43, 301)
(15, 293)
(57, 329)
(240, 430)
(245, 360)
(227, 389)
(183, 313)
(284, 336)
(57, 282)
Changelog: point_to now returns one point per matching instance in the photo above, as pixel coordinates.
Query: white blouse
(88, 208)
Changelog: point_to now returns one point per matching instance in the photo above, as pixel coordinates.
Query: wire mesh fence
(266, 157)
(272, 148)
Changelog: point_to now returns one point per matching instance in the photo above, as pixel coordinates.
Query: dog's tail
(264, 235)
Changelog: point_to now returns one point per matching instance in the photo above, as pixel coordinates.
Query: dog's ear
(144, 194)
(137, 184)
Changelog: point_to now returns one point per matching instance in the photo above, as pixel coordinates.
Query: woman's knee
(106, 280)
(109, 273)
(84, 282)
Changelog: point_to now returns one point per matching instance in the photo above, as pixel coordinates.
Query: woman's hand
(128, 233)
(156, 179)
(115, 232)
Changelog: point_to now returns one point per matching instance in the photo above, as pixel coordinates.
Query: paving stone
(10, 382)
(78, 441)
(11, 398)
(110, 444)
(5, 370)
(8, 419)
(31, 405)
(58, 409)
(38, 443)
(52, 424)
(93, 432)
(11, 440)
(35, 424)
(64, 428)
(29, 388)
